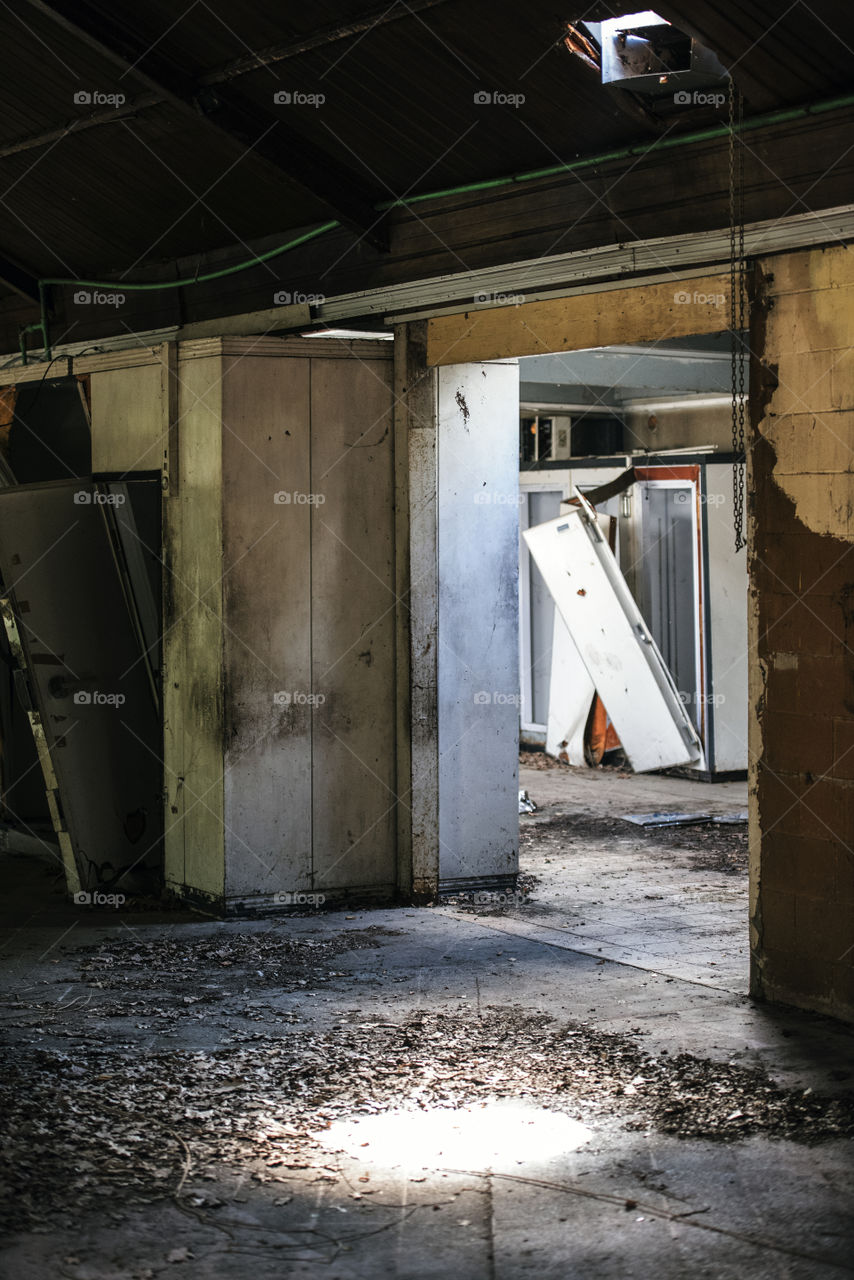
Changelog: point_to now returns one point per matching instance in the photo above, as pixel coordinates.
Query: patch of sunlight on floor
(473, 1137)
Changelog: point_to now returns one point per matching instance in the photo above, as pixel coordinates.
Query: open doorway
(661, 398)
(659, 471)
(80, 702)
(645, 867)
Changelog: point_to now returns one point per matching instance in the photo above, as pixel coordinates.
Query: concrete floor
(623, 897)
(541, 1176)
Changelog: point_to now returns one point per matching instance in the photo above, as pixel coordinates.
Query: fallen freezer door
(571, 695)
(613, 641)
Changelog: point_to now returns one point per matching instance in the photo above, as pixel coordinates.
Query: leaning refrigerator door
(613, 641)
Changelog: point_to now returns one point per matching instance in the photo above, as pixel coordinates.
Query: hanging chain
(737, 307)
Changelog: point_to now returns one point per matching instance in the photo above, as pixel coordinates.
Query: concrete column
(458, 698)
(802, 631)
(478, 651)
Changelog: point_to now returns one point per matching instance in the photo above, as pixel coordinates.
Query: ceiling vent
(645, 53)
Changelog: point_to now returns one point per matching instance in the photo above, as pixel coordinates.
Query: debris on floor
(684, 819)
(540, 760)
(613, 762)
(283, 1097)
(492, 901)
(709, 846)
(107, 1124)
(666, 819)
(526, 804)
(269, 960)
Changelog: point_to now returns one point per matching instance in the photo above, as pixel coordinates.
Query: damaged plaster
(802, 581)
(810, 391)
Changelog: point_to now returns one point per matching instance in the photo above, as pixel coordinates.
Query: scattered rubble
(540, 760)
(271, 958)
(708, 847)
(490, 902)
(526, 804)
(114, 1123)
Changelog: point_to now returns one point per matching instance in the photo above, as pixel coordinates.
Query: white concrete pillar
(478, 648)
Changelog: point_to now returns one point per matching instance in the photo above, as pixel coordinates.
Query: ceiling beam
(107, 115)
(19, 278)
(344, 192)
(267, 57)
(317, 39)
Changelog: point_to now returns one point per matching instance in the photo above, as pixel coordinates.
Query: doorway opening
(80, 701)
(661, 485)
(647, 866)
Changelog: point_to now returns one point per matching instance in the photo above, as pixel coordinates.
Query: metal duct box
(647, 54)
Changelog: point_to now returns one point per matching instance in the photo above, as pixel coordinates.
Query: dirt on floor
(613, 762)
(708, 846)
(103, 1122)
(538, 760)
(265, 960)
(110, 1102)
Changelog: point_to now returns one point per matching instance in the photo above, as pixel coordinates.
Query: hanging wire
(738, 307)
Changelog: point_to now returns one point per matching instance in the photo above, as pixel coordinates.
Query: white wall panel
(478, 620)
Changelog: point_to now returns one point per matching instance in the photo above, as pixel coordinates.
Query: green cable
(784, 116)
(120, 285)
(41, 325)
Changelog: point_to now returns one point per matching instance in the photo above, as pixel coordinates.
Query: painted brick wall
(802, 631)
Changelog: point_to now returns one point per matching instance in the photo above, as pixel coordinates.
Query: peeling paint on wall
(810, 413)
(802, 631)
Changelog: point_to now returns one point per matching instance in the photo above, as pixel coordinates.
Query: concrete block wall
(802, 631)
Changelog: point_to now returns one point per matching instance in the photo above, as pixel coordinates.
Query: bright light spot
(474, 1137)
(383, 336)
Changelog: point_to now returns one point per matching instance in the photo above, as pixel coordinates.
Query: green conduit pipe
(636, 149)
(149, 286)
(209, 275)
(38, 326)
(784, 116)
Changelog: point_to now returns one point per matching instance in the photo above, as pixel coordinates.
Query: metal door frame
(691, 479)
